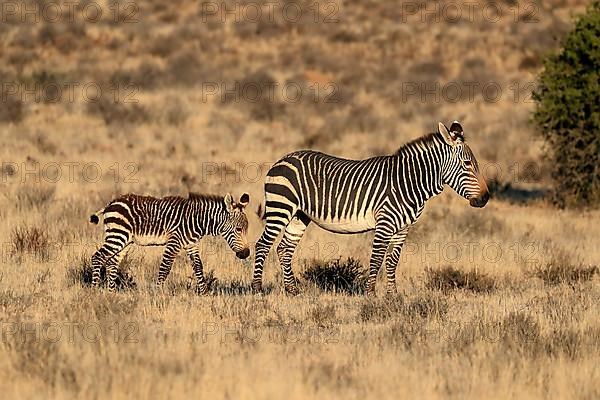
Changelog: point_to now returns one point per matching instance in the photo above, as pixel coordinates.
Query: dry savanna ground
(500, 302)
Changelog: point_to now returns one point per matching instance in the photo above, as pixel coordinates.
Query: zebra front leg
(273, 227)
(391, 261)
(291, 237)
(171, 250)
(381, 242)
(194, 256)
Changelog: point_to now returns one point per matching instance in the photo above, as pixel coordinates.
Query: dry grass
(31, 241)
(449, 278)
(562, 268)
(554, 274)
(513, 319)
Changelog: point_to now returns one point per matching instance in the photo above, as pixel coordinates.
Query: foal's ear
(244, 200)
(448, 135)
(229, 203)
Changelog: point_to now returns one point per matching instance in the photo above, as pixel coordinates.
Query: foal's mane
(205, 197)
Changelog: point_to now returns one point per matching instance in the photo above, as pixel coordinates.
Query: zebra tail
(260, 212)
(95, 217)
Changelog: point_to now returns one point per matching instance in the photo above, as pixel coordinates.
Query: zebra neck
(209, 215)
(216, 221)
(422, 163)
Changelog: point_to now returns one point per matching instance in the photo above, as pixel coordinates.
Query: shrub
(186, 69)
(258, 91)
(113, 112)
(11, 110)
(568, 116)
(554, 273)
(175, 113)
(81, 274)
(449, 278)
(337, 276)
(147, 76)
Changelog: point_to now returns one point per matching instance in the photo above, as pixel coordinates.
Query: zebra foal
(175, 222)
(385, 194)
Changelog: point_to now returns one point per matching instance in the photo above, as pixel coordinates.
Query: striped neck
(425, 159)
(209, 212)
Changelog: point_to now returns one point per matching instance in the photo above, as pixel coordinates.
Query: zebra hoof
(202, 291)
(391, 291)
(256, 287)
(292, 290)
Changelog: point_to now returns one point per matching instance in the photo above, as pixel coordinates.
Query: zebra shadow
(217, 287)
(236, 288)
(516, 195)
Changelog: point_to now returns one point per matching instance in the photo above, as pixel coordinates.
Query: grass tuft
(555, 273)
(449, 278)
(426, 305)
(31, 240)
(81, 274)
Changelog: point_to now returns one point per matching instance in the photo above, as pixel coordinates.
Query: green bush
(568, 113)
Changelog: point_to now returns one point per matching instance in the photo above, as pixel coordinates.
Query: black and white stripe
(386, 194)
(176, 222)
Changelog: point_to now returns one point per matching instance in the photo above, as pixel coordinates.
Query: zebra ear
(244, 200)
(229, 203)
(446, 134)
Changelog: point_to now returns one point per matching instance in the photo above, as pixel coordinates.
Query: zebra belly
(150, 240)
(347, 225)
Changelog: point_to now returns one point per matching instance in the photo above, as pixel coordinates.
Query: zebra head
(235, 227)
(462, 171)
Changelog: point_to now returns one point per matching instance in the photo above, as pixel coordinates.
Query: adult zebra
(386, 194)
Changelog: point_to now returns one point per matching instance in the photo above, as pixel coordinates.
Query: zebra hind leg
(194, 256)
(392, 259)
(102, 257)
(273, 227)
(112, 268)
(291, 237)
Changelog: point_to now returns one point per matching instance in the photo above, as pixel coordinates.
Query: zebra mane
(423, 142)
(206, 197)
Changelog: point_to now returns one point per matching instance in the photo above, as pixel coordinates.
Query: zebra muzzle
(243, 254)
(479, 201)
